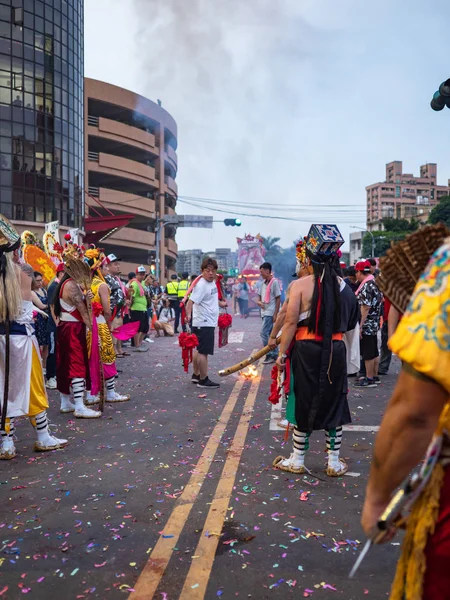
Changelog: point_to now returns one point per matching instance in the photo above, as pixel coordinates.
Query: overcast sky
(298, 102)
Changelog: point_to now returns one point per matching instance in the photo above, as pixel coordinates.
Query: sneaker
(366, 383)
(268, 360)
(51, 383)
(377, 380)
(207, 383)
(141, 349)
(195, 378)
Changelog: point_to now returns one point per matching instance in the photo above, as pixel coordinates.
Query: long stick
(248, 361)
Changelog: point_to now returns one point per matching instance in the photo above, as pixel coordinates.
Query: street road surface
(173, 495)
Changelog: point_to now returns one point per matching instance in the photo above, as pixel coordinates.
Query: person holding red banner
(203, 305)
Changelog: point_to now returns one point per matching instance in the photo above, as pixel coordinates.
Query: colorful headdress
(300, 250)
(94, 257)
(9, 238)
(324, 240)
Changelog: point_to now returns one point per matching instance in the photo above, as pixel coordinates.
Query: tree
(441, 212)
(382, 241)
(400, 225)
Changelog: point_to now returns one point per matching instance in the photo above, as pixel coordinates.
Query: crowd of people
(69, 336)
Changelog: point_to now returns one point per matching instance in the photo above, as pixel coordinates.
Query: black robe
(330, 411)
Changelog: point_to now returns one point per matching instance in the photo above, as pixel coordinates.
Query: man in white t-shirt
(203, 305)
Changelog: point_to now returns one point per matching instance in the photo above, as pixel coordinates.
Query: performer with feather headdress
(71, 310)
(101, 334)
(321, 309)
(21, 376)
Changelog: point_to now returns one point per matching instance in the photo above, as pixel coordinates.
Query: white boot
(66, 404)
(45, 441)
(90, 399)
(82, 411)
(113, 396)
(295, 463)
(7, 449)
(336, 466)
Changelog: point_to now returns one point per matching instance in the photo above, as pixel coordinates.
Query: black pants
(175, 304)
(386, 354)
(51, 358)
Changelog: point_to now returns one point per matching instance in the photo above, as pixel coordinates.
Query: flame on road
(250, 373)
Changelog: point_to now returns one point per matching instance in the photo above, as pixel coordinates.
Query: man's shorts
(142, 318)
(206, 339)
(369, 347)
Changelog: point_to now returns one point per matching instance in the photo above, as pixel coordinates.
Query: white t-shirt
(206, 304)
(166, 315)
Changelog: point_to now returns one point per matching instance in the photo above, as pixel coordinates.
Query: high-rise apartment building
(189, 261)
(403, 195)
(131, 166)
(41, 112)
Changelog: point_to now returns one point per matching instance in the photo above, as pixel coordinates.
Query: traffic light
(232, 222)
(441, 98)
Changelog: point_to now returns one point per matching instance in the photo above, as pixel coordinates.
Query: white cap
(112, 258)
(141, 269)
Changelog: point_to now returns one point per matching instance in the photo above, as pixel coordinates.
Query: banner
(74, 235)
(53, 228)
(251, 253)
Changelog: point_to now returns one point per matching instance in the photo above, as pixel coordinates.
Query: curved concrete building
(130, 170)
(41, 113)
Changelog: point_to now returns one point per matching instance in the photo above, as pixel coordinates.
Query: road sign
(202, 221)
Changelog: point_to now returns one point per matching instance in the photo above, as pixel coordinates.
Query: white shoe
(115, 397)
(66, 404)
(295, 463)
(284, 424)
(336, 466)
(7, 450)
(83, 412)
(51, 383)
(90, 399)
(48, 442)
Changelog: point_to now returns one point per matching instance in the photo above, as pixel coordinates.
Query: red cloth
(187, 342)
(71, 355)
(387, 308)
(437, 552)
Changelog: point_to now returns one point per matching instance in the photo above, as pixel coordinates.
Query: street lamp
(370, 233)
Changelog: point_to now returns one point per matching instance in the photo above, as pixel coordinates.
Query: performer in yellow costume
(419, 407)
(102, 313)
(22, 386)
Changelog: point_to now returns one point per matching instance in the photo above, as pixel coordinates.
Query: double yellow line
(198, 576)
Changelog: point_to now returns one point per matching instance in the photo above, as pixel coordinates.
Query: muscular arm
(103, 292)
(408, 425)
(76, 297)
(292, 313)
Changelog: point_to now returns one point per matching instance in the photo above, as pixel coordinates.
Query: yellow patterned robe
(422, 340)
(107, 353)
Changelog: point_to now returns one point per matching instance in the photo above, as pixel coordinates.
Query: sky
(293, 105)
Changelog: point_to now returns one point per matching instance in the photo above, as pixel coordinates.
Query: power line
(229, 212)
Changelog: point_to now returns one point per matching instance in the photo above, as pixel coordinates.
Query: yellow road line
(199, 573)
(153, 571)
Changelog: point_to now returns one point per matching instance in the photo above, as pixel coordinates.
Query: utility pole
(371, 234)
(201, 221)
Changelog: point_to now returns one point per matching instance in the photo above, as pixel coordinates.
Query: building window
(397, 191)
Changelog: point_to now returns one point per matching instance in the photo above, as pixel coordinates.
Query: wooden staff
(248, 361)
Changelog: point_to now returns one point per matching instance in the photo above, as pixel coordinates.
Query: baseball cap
(60, 268)
(112, 258)
(141, 269)
(363, 265)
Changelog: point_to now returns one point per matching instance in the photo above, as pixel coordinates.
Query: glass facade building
(41, 111)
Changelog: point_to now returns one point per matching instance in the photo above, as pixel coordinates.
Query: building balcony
(122, 133)
(132, 238)
(121, 167)
(122, 202)
(171, 247)
(171, 156)
(171, 184)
